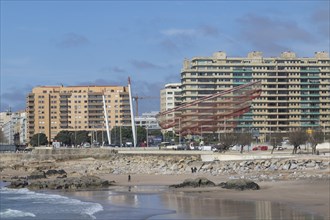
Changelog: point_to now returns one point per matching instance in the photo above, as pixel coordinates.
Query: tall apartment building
(14, 128)
(295, 91)
(51, 109)
(170, 97)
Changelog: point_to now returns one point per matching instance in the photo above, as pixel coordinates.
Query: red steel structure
(212, 113)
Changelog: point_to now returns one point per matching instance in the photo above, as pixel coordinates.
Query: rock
(71, 183)
(18, 184)
(240, 184)
(37, 175)
(57, 173)
(174, 167)
(198, 182)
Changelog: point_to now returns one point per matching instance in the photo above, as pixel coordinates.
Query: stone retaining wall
(58, 154)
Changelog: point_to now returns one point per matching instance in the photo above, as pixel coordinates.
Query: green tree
(124, 133)
(276, 140)
(244, 139)
(16, 139)
(227, 140)
(39, 139)
(101, 136)
(168, 136)
(65, 137)
(155, 132)
(83, 137)
(315, 138)
(297, 138)
(141, 135)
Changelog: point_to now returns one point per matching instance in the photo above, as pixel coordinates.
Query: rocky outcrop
(240, 184)
(198, 182)
(20, 183)
(56, 173)
(38, 174)
(70, 183)
(57, 179)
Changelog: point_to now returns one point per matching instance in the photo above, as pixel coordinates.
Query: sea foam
(11, 213)
(71, 205)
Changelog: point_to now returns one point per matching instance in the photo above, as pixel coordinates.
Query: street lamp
(324, 132)
(147, 136)
(179, 131)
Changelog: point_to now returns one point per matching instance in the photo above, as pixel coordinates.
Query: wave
(63, 203)
(11, 213)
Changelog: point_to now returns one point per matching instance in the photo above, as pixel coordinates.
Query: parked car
(87, 145)
(263, 148)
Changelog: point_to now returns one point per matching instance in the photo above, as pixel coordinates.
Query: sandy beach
(304, 191)
(309, 195)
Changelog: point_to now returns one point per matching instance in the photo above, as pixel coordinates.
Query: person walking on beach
(129, 178)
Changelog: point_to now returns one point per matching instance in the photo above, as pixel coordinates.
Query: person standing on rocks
(129, 178)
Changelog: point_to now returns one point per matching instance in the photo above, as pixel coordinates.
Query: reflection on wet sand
(194, 205)
(199, 207)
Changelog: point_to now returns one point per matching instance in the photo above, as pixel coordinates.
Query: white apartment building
(170, 97)
(14, 129)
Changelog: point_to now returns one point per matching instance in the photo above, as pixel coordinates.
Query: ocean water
(135, 202)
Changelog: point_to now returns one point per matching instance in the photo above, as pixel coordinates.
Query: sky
(104, 42)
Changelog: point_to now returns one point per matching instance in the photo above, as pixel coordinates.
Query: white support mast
(132, 113)
(106, 119)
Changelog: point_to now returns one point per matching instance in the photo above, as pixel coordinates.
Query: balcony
(311, 70)
(309, 125)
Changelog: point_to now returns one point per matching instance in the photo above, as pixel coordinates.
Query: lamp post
(179, 131)
(120, 137)
(147, 136)
(324, 132)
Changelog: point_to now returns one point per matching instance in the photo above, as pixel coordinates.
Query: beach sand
(311, 195)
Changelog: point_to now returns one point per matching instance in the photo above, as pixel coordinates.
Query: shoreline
(311, 195)
(302, 182)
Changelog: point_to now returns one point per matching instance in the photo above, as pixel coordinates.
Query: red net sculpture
(212, 113)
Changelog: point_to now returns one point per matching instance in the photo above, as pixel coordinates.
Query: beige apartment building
(51, 109)
(295, 90)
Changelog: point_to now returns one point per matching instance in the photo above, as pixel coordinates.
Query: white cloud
(178, 32)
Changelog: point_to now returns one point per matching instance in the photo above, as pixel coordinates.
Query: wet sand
(310, 195)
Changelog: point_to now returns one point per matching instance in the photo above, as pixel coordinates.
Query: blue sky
(105, 42)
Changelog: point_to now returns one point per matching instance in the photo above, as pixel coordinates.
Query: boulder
(240, 184)
(18, 184)
(56, 173)
(71, 183)
(38, 174)
(198, 182)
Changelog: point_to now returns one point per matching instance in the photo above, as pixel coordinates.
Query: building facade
(170, 97)
(14, 129)
(51, 109)
(147, 120)
(295, 91)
